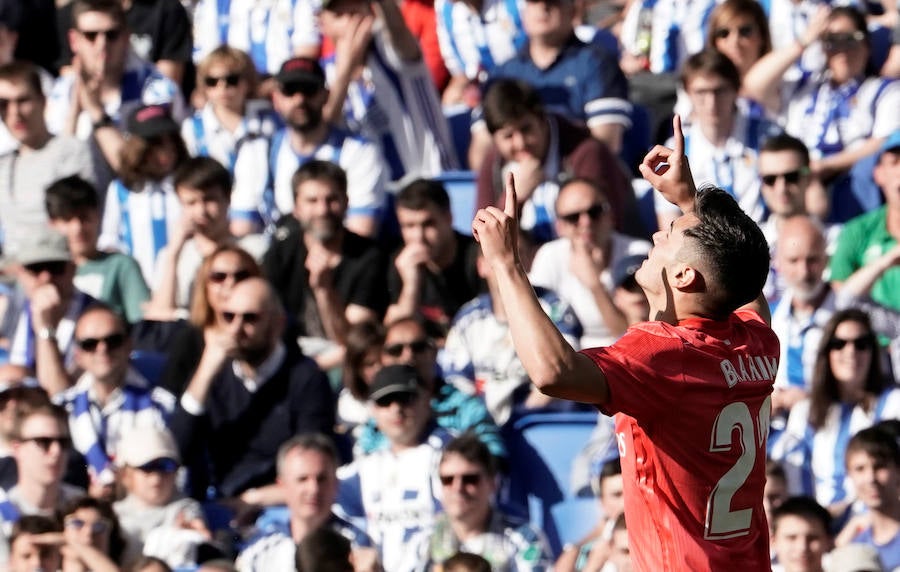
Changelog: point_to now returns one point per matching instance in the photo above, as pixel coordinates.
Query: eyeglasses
(230, 80)
(415, 346)
(594, 213)
(790, 178)
(111, 35)
(112, 342)
(292, 88)
(54, 268)
(163, 465)
(840, 42)
(19, 101)
(246, 317)
(101, 526)
(468, 479)
(44, 443)
(218, 277)
(745, 31)
(859, 344)
(402, 398)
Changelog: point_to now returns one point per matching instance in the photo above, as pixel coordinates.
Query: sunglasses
(842, 41)
(417, 347)
(403, 399)
(791, 177)
(45, 442)
(468, 479)
(594, 213)
(745, 31)
(19, 101)
(111, 34)
(163, 465)
(217, 277)
(292, 88)
(101, 526)
(859, 344)
(112, 342)
(54, 268)
(230, 80)
(246, 317)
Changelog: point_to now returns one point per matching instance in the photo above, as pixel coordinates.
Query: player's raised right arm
(553, 366)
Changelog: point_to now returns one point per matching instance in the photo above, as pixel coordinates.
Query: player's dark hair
(785, 142)
(878, 442)
(824, 387)
(710, 62)
(472, 449)
(507, 101)
(322, 171)
(733, 248)
(423, 193)
(802, 507)
(203, 174)
(69, 196)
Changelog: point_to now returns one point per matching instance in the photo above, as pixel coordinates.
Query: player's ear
(686, 278)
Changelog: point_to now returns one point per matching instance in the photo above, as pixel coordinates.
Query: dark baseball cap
(393, 379)
(301, 70)
(624, 269)
(151, 121)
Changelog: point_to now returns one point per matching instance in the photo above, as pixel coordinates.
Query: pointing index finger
(679, 136)
(511, 207)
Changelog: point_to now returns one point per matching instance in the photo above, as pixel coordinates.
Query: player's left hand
(497, 231)
(668, 170)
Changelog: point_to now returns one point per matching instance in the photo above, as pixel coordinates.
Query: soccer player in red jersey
(690, 389)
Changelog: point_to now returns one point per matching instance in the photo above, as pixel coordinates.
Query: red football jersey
(692, 416)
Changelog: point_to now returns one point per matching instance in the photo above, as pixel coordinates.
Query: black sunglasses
(246, 317)
(402, 398)
(217, 277)
(292, 88)
(111, 34)
(163, 465)
(230, 80)
(45, 442)
(54, 267)
(791, 177)
(840, 42)
(112, 342)
(416, 346)
(859, 344)
(594, 213)
(744, 31)
(468, 479)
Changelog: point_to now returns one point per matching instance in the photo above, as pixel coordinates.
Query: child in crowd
(800, 535)
(156, 519)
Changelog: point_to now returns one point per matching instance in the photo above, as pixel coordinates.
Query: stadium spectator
(142, 211)
(14, 399)
(471, 522)
(543, 150)
(109, 398)
(93, 538)
(326, 551)
(307, 466)
(434, 273)
(113, 278)
(776, 491)
(739, 30)
(578, 265)
(396, 489)
(247, 373)
(29, 548)
(659, 35)
(362, 361)
(801, 535)
(37, 158)
(848, 393)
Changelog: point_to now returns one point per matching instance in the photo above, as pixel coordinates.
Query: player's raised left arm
(553, 366)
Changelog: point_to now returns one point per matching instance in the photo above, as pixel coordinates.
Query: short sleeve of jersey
(643, 370)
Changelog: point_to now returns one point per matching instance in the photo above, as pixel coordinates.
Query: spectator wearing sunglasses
(110, 398)
(113, 278)
(203, 188)
(848, 393)
(43, 342)
(407, 342)
(246, 372)
(739, 29)
(107, 81)
(156, 519)
(396, 489)
(36, 159)
(41, 448)
(471, 521)
(578, 265)
(92, 531)
(842, 114)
